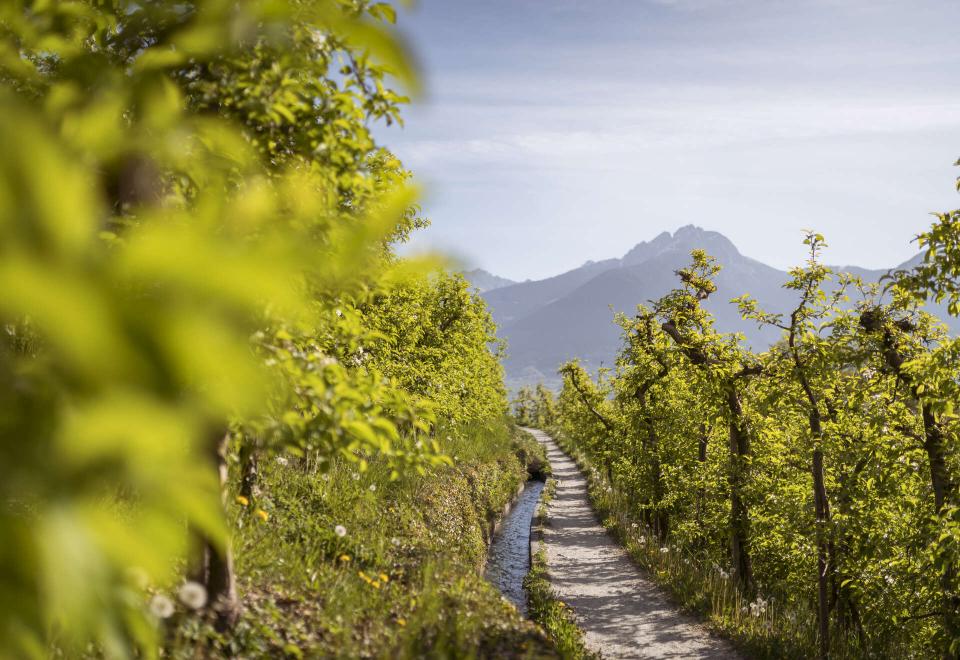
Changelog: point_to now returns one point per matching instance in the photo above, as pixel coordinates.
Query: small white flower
(373, 488)
(356, 477)
(395, 541)
(193, 595)
(161, 606)
(664, 551)
(282, 460)
(340, 531)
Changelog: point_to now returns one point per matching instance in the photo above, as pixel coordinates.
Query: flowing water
(509, 558)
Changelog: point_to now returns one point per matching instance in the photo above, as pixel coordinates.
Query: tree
(216, 182)
(727, 367)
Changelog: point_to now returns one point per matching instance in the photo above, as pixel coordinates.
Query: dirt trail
(623, 613)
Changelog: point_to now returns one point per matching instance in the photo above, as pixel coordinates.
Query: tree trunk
(250, 470)
(739, 515)
(944, 493)
(822, 507)
(700, 504)
(212, 564)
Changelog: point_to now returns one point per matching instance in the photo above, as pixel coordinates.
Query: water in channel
(509, 558)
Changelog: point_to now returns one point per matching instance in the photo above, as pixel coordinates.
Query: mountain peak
(684, 239)
(485, 281)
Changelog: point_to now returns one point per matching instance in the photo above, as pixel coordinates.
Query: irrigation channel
(509, 559)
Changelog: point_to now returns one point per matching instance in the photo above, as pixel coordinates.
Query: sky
(552, 132)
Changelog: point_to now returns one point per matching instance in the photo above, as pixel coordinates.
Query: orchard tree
(727, 368)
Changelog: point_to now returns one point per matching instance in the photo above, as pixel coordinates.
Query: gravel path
(623, 614)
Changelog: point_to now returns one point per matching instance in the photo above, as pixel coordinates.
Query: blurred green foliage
(195, 232)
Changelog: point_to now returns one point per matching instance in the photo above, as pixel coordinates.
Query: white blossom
(161, 606)
(193, 595)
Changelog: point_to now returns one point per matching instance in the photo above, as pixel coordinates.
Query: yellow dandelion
(375, 584)
(264, 516)
(363, 576)
(242, 501)
(345, 558)
(401, 621)
(384, 578)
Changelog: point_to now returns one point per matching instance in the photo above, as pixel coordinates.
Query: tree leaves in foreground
(195, 231)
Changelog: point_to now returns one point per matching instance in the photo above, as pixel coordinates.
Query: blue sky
(556, 131)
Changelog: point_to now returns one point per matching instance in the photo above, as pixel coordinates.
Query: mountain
(483, 281)
(548, 322)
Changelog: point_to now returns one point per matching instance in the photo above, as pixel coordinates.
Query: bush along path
(622, 613)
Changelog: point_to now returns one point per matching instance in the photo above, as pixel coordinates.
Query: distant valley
(547, 322)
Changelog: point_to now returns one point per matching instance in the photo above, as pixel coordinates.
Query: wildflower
(363, 576)
(401, 621)
(345, 558)
(161, 606)
(356, 477)
(193, 595)
(664, 550)
(263, 515)
(384, 578)
(395, 541)
(724, 575)
(282, 460)
(375, 584)
(242, 501)
(340, 531)
(373, 488)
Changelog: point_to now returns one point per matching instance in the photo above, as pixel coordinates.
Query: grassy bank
(350, 564)
(545, 608)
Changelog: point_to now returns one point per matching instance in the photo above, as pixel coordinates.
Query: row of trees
(822, 472)
(195, 257)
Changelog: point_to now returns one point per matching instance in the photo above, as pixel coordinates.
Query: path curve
(623, 613)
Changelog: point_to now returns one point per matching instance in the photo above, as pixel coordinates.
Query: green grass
(544, 607)
(405, 581)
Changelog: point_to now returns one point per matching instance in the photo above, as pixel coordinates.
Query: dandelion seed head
(161, 607)
(340, 531)
(193, 595)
